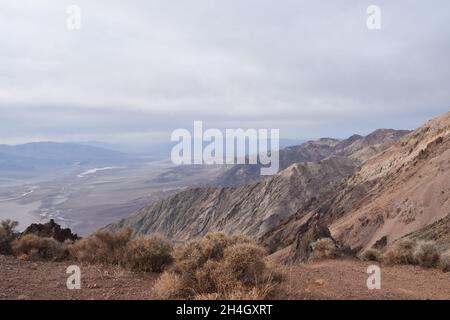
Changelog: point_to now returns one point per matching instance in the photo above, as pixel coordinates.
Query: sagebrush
(444, 261)
(401, 252)
(217, 267)
(427, 254)
(371, 255)
(8, 234)
(102, 247)
(149, 253)
(32, 247)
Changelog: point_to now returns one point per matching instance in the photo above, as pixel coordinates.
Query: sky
(137, 70)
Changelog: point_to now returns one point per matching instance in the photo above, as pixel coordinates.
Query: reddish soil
(346, 279)
(47, 281)
(332, 279)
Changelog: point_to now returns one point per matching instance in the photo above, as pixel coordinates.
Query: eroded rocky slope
(410, 189)
(257, 207)
(403, 190)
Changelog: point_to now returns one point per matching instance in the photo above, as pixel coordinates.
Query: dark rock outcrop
(308, 233)
(51, 230)
(381, 243)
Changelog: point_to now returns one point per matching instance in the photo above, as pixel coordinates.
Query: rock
(319, 282)
(380, 243)
(308, 233)
(51, 230)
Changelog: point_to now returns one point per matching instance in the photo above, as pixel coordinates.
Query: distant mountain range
(38, 157)
(251, 205)
(368, 191)
(356, 147)
(161, 150)
(35, 158)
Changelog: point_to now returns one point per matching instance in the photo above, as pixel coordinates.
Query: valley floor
(332, 279)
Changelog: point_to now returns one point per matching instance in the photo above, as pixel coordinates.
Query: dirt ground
(332, 279)
(347, 280)
(47, 281)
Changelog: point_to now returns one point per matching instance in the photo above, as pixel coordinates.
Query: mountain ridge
(35, 157)
(257, 206)
(400, 191)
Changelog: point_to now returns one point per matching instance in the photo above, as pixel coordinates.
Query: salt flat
(86, 199)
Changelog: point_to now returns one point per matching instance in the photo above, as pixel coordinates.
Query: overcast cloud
(139, 69)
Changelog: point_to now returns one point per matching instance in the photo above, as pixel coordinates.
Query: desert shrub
(401, 252)
(427, 254)
(210, 247)
(324, 248)
(169, 286)
(8, 227)
(371, 255)
(207, 296)
(444, 262)
(31, 247)
(245, 263)
(259, 292)
(146, 253)
(206, 279)
(240, 293)
(195, 254)
(217, 267)
(7, 236)
(213, 245)
(102, 247)
(149, 253)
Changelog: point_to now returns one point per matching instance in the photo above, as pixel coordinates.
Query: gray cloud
(138, 70)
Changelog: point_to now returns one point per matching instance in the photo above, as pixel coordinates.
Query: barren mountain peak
(410, 188)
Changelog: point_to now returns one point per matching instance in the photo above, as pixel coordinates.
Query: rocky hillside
(357, 147)
(306, 152)
(257, 207)
(402, 191)
(438, 232)
(252, 209)
(409, 189)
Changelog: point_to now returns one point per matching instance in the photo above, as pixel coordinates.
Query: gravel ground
(347, 279)
(47, 280)
(331, 279)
